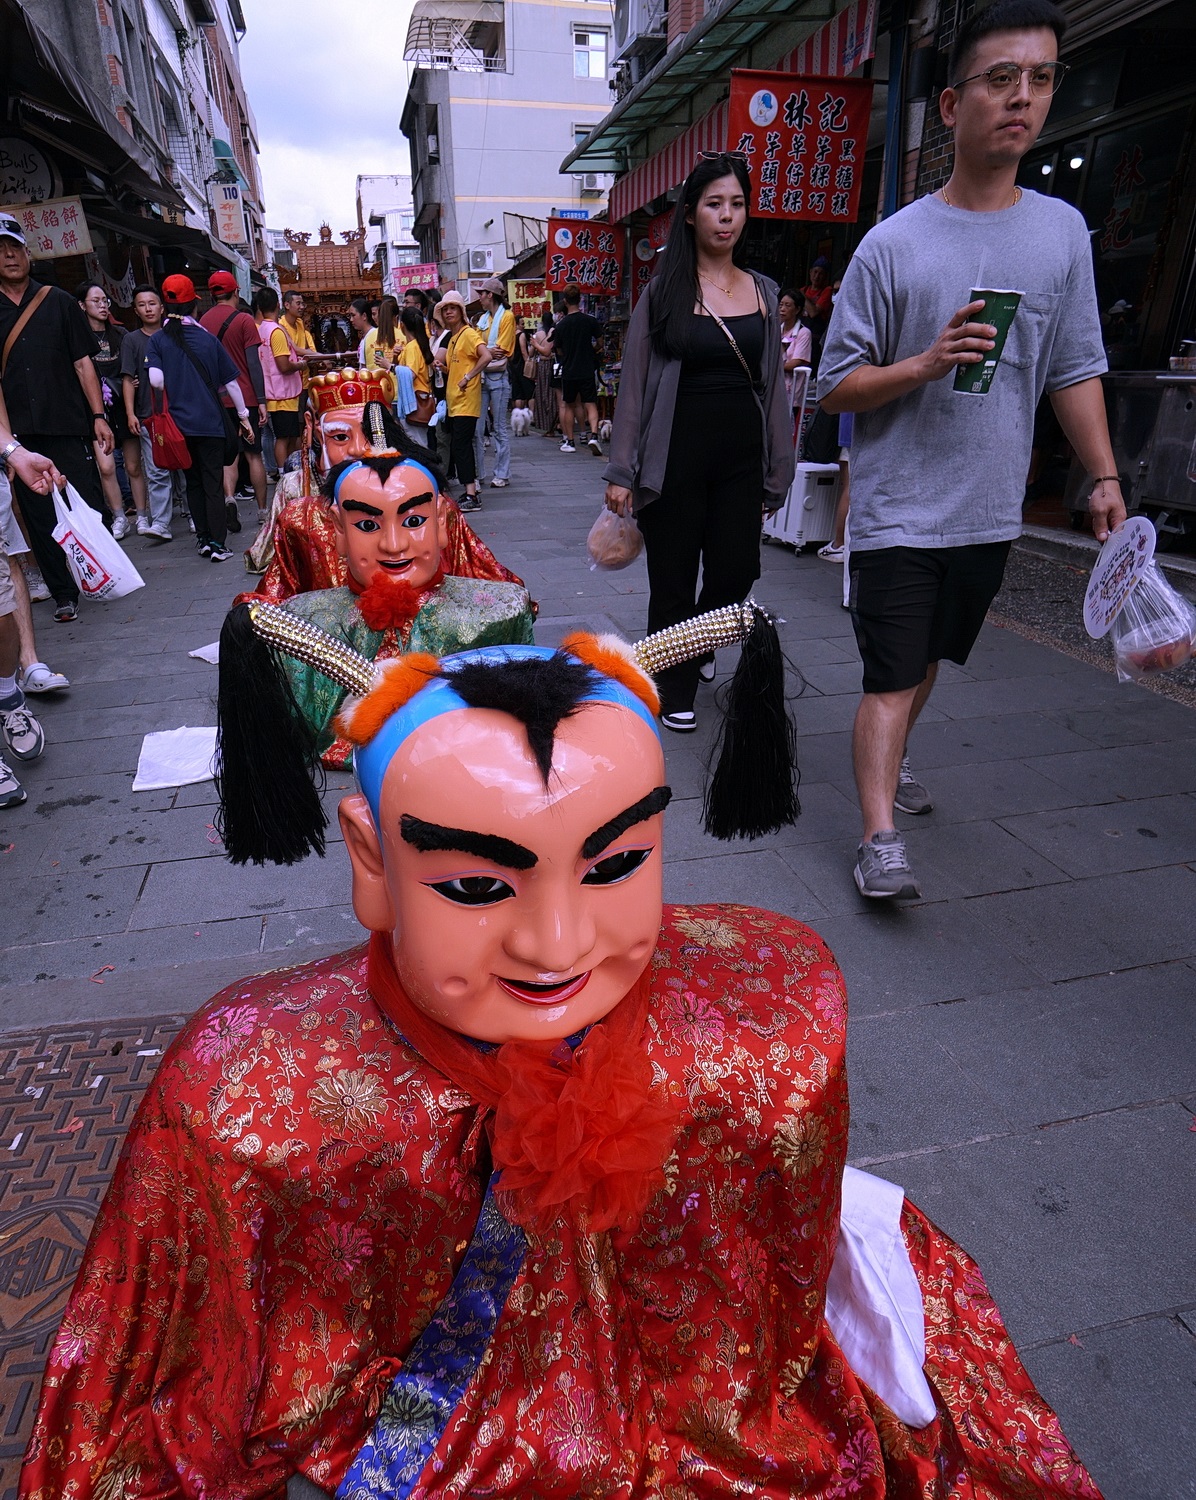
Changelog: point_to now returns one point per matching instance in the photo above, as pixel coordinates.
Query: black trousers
(75, 458)
(708, 515)
(205, 489)
(461, 437)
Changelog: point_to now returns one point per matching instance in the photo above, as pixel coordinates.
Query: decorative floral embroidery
(227, 1027)
(351, 1101)
(800, 1144)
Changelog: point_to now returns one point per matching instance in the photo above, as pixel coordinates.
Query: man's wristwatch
(98, 416)
(10, 448)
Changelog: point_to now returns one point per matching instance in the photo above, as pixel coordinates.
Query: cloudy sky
(327, 83)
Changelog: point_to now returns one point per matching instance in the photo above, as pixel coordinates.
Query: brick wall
(683, 15)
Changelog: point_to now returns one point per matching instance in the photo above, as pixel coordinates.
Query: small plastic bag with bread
(1155, 629)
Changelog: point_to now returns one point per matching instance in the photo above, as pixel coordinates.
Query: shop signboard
(658, 228)
(643, 264)
(230, 213)
(53, 228)
(573, 213)
(423, 277)
(588, 255)
(27, 174)
(804, 141)
(526, 300)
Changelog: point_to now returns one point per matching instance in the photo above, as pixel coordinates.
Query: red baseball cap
(223, 282)
(178, 291)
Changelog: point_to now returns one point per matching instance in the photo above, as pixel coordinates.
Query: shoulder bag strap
(201, 371)
(19, 326)
(731, 341)
(224, 327)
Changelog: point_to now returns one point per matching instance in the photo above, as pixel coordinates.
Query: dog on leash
(604, 430)
(521, 421)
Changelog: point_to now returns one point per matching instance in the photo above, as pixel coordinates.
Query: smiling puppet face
(395, 528)
(520, 907)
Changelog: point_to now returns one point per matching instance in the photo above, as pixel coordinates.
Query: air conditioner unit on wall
(639, 26)
(481, 261)
(592, 183)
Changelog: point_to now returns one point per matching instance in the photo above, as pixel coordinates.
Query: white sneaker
(830, 553)
(594, 446)
(158, 533)
(567, 447)
(37, 585)
(143, 525)
(12, 793)
(120, 527)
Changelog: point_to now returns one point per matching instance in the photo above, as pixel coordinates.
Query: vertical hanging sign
(589, 255)
(804, 141)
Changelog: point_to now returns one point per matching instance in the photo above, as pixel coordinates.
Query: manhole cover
(67, 1096)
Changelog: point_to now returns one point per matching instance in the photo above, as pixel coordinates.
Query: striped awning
(833, 51)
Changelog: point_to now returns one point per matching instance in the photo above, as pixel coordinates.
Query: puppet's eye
(473, 890)
(615, 867)
(414, 519)
(367, 523)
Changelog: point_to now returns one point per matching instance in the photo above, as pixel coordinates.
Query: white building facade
(386, 212)
(499, 87)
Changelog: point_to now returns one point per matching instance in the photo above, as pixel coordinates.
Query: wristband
(1107, 479)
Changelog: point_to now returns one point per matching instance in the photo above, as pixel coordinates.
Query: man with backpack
(193, 369)
(238, 332)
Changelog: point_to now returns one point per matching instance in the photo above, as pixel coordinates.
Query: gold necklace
(726, 291)
(1017, 198)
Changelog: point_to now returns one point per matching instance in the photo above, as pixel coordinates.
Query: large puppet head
(338, 402)
(507, 840)
(389, 519)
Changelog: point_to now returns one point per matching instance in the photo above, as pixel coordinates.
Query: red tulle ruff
(390, 604)
(586, 1130)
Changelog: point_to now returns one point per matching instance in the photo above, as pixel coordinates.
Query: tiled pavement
(1023, 1041)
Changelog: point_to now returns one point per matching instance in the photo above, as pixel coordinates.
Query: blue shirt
(194, 408)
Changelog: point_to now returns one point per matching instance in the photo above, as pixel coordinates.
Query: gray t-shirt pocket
(1032, 324)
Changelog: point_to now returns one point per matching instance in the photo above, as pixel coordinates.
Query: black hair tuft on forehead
(541, 692)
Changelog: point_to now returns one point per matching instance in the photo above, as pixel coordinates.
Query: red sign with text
(804, 139)
(590, 256)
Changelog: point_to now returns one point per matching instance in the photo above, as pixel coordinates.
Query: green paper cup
(999, 308)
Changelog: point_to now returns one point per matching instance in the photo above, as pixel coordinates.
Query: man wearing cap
(497, 325)
(54, 401)
(238, 332)
(188, 363)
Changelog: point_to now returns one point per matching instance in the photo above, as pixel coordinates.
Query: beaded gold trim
(309, 644)
(696, 637)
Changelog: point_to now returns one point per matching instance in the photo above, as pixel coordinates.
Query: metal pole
(895, 111)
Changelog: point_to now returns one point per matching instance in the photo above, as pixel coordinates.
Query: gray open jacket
(639, 445)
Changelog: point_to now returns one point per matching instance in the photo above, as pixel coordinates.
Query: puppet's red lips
(396, 567)
(544, 994)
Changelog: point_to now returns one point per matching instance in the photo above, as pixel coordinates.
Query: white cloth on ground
(175, 757)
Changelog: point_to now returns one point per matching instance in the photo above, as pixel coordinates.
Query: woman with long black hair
(703, 434)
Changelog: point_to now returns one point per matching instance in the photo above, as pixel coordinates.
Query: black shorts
(585, 390)
(915, 605)
(285, 424)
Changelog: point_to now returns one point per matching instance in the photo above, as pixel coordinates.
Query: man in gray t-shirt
(938, 474)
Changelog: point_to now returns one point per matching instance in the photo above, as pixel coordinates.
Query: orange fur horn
(615, 658)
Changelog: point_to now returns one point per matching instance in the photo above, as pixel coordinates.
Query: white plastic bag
(95, 559)
(1155, 629)
(614, 541)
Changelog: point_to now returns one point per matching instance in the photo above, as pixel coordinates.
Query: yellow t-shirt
(413, 358)
(369, 346)
(279, 345)
(462, 351)
(301, 340)
(505, 339)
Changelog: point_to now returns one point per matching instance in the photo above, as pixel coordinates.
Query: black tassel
(754, 787)
(268, 772)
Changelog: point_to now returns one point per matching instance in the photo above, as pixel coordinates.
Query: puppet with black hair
(389, 522)
(542, 1193)
(346, 414)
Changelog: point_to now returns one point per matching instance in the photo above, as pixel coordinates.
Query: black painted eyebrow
(647, 807)
(430, 837)
(425, 499)
(368, 510)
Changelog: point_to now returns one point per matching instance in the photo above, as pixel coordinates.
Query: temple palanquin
(330, 276)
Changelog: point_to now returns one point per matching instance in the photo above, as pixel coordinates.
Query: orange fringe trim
(613, 658)
(397, 683)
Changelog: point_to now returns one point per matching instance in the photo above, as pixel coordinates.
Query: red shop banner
(804, 139)
(590, 256)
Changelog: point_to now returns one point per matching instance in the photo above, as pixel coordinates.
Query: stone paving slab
(1114, 837)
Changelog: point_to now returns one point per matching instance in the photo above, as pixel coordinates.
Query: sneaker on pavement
(232, 515)
(36, 584)
(203, 547)
(594, 446)
(24, 734)
(65, 612)
(158, 533)
(500, 484)
(12, 793)
(567, 447)
(912, 796)
(469, 503)
(120, 527)
(219, 554)
(680, 720)
(143, 525)
(38, 678)
(830, 553)
(882, 870)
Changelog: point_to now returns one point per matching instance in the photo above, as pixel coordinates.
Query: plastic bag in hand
(1155, 630)
(614, 541)
(97, 564)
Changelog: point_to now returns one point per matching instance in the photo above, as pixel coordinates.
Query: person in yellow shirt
(416, 354)
(292, 320)
(361, 320)
(463, 359)
(497, 325)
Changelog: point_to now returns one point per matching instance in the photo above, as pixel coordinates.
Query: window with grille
(589, 53)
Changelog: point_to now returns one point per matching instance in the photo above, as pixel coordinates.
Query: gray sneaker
(882, 871)
(912, 796)
(22, 731)
(12, 793)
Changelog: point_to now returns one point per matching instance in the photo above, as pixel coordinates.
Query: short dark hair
(289, 293)
(362, 305)
(540, 692)
(1002, 15)
(572, 296)
(84, 287)
(419, 294)
(266, 300)
(142, 287)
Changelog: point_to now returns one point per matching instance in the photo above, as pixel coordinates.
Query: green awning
(666, 97)
(223, 153)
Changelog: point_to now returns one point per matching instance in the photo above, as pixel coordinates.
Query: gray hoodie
(639, 445)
